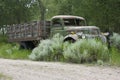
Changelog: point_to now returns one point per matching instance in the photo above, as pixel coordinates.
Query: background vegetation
(11, 50)
(102, 13)
(115, 40)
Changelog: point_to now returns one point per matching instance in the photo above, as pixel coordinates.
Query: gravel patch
(31, 70)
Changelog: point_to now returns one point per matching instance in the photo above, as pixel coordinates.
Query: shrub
(85, 51)
(80, 51)
(57, 47)
(50, 49)
(115, 56)
(115, 39)
(42, 51)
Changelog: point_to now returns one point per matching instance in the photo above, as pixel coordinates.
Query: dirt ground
(30, 70)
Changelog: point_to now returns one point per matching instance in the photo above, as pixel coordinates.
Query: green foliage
(15, 11)
(4, 77)
(80, 51)
(50, 49)
(115, 56)
(115, 49)
(19, 11)
(115, 39)
(57, 47)
(43, 50)
(107, 11)
(11, 50)
(86, 50)
(3, 38)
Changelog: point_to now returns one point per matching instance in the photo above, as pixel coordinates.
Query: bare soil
(30, 70)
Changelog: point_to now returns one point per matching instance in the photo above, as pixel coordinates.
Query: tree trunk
(42, 10)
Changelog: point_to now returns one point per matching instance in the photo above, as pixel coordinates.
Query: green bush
(86, 51)
(115, 39)
(80, 51)
(57, 47)
(42, 51)
(50, 49)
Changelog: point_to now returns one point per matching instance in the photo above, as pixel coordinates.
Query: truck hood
(84, 30)
(76, 28)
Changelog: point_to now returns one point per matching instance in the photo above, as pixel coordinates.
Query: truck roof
(94, 27)
(67, 16)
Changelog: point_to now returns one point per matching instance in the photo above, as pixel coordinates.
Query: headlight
(72, 32)
(83, 36)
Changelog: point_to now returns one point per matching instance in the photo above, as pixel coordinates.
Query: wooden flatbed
(28, 31)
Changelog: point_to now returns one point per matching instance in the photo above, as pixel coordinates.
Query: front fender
(69, 37)
(103, 38)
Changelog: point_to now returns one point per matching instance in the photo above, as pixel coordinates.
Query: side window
(56, 23)
(80, 22)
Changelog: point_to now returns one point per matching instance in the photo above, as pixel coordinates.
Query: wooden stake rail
(27, 31)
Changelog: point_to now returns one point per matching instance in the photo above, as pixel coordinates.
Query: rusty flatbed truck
(29, 34)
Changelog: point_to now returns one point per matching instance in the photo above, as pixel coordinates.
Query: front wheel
(71, 40)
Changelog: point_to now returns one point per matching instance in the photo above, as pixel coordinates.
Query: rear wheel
(27, 45)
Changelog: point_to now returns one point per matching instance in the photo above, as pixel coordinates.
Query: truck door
(57, 26)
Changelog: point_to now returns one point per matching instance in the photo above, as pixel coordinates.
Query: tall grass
(3, 38)
(115, 56)
(115, 49)
(4, 77)
(11, 50)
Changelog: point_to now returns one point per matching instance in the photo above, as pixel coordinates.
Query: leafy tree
(102, 13)
(15, 12)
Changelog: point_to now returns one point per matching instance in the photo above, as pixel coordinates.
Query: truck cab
(74, 28)
(60, 23)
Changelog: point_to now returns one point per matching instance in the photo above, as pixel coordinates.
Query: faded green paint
(58, 24)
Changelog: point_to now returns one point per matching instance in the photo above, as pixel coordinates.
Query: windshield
(74, 22)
